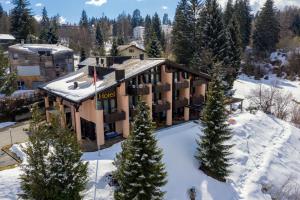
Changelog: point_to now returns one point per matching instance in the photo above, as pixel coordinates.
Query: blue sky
(70, 10)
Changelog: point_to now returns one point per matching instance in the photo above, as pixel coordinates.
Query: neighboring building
(36, 64)
(167, 29)
(173, 92)
(131, 50)
(139, 33)
(6, 40)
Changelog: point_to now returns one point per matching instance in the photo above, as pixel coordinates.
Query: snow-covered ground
(266, 154)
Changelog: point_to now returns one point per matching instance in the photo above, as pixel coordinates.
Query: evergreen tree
(120, 41)
(52, 34)
(212, 149)
(154, 49)
(229, 12)
(82, 54)
(45, 23)
(1, 10)
(35, 180)
(296, 25)
(266, 34)
(7, 78)
(181, 34)
(99, 41)
(214, 41)
(140, 171)
(244, 17)
(148, 30)
(114, 48)
(84, 22)
(68, 172)
(156, 27)
(21, 20)
(234, 52)
(137, 19)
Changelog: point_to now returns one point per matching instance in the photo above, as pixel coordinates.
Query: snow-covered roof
(64, 86)
(6, 37)
(35, 48)
(124, 47)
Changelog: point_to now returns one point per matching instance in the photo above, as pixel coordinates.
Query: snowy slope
(266, 152)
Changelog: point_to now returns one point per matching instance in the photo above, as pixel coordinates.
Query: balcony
(138, 90)
(161, 107)
(181, 103)
(162, 87)
(181, 85)
(197, 83)
(197, 100)
(114, 117)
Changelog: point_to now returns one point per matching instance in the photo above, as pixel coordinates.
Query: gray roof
(88, 62)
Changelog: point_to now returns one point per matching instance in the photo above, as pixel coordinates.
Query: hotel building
(173, 92)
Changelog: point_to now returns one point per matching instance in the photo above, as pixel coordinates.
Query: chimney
(120, 75)
(75, 85)
(97, 61)
(142, 57)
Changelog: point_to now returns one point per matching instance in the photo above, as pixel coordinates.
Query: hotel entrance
(88, 135)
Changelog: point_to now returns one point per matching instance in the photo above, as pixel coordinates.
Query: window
(21, 85)
(109, 106)
(131, 50)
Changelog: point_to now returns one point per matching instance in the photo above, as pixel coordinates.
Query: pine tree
(120, 41)
(137, 19)
(7, 78)
(21, 20)
(45, 23)
(1, 10)
(181, 35)
(166, 20)
(148, 30)
(99, 41)
(52, 34)
(295, 27)
(82, 54)
(234, 53)
(154, 48)
(266, 34)
(244, 17)
(212, 149)
(156, 27)
(229, 12)
(84, 22)
(35, 180)
(114, 48)
(140, 172)
(214, 41)
(68, 172)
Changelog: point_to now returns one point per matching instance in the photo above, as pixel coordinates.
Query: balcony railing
(197, 100)
(181, 85)
(114, 117)
(180, 103)
(161, 107)
(198, 82)
(138, 90)
(162, 87)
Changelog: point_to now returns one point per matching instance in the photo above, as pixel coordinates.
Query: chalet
(131, 50)
(36, 64)
(102, 110)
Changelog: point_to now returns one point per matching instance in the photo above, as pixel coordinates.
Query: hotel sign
(107, 95)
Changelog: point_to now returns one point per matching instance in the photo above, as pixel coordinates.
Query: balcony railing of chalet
(114, 117)
(197, 100)
(197, 82)
(161, 106)
(138, 90)
(160, 87)
(180, 103)
(181, 85)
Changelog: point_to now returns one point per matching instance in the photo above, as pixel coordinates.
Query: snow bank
(6, 124)
(17, 149)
